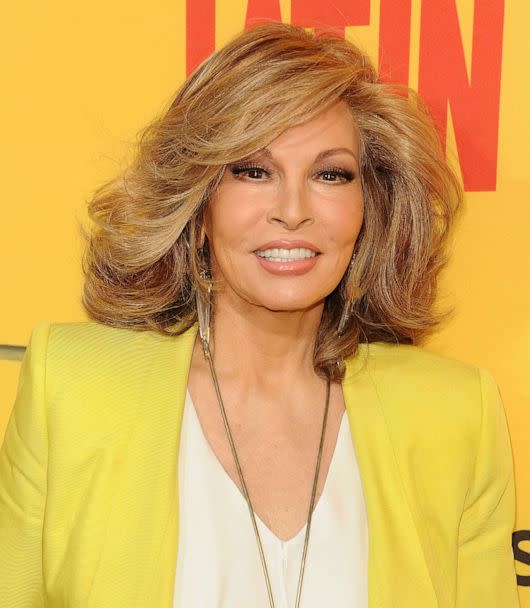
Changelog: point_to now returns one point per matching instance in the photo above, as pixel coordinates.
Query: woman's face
(283, 222)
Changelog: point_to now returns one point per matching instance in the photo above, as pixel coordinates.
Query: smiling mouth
(296, 254)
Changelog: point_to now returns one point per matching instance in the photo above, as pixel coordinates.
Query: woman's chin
(288, 304)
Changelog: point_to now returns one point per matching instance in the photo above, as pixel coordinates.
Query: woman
(248, 419)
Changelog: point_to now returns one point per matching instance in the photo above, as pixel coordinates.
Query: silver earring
(204, 306)
(346, 310)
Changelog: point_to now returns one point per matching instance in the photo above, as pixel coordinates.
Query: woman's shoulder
(89, 351)
(430, 399)
(94, 338)
(87, 332)
(418, 363)
(420, 388)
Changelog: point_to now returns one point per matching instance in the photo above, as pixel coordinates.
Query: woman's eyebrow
(332, 151)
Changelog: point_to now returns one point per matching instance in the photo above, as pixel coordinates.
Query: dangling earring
(204, 307)
(203, 302)
(348, 306)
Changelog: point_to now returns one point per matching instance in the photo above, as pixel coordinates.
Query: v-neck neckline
(229, 482)
(373, 389)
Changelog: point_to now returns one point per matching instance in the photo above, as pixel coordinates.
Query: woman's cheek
(342, 228)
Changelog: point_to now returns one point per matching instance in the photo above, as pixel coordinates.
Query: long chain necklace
(207, 354)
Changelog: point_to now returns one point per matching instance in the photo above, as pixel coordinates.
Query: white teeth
(286, 255)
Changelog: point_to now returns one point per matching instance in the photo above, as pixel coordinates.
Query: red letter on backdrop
(259, 11)
(394, 41)
(200, 32)
(475, 100)
(335, 15)
(200, 20)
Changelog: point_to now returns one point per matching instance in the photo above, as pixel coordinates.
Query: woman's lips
(292, 267)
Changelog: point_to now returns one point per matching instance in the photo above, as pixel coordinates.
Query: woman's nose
(292, 205)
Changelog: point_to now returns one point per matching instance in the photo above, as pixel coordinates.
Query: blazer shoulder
(410, 361)
(421, 388)
(87, 337)
(85, 352)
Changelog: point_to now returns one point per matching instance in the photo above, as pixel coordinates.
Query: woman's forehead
(333, 131)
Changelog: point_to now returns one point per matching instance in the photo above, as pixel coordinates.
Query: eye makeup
(239, 168)
(344, 174)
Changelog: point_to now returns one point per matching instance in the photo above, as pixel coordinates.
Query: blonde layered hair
(142, 258)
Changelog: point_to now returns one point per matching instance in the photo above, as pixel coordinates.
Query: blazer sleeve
(23, 473)
(486, 568)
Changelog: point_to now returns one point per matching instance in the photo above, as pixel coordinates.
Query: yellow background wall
(79, 81)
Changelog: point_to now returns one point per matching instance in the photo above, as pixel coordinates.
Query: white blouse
(218, 563)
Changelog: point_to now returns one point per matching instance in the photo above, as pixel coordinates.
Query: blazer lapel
(397, 570)
(136, 566)
(167, 387)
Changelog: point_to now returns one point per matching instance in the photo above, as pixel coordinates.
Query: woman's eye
(254, 172)
(257, 173)
(334, 175)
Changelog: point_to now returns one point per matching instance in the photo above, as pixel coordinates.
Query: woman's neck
(269, 346)
(273, 398)
(264, 356)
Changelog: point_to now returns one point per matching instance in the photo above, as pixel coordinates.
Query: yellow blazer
(88, 473)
